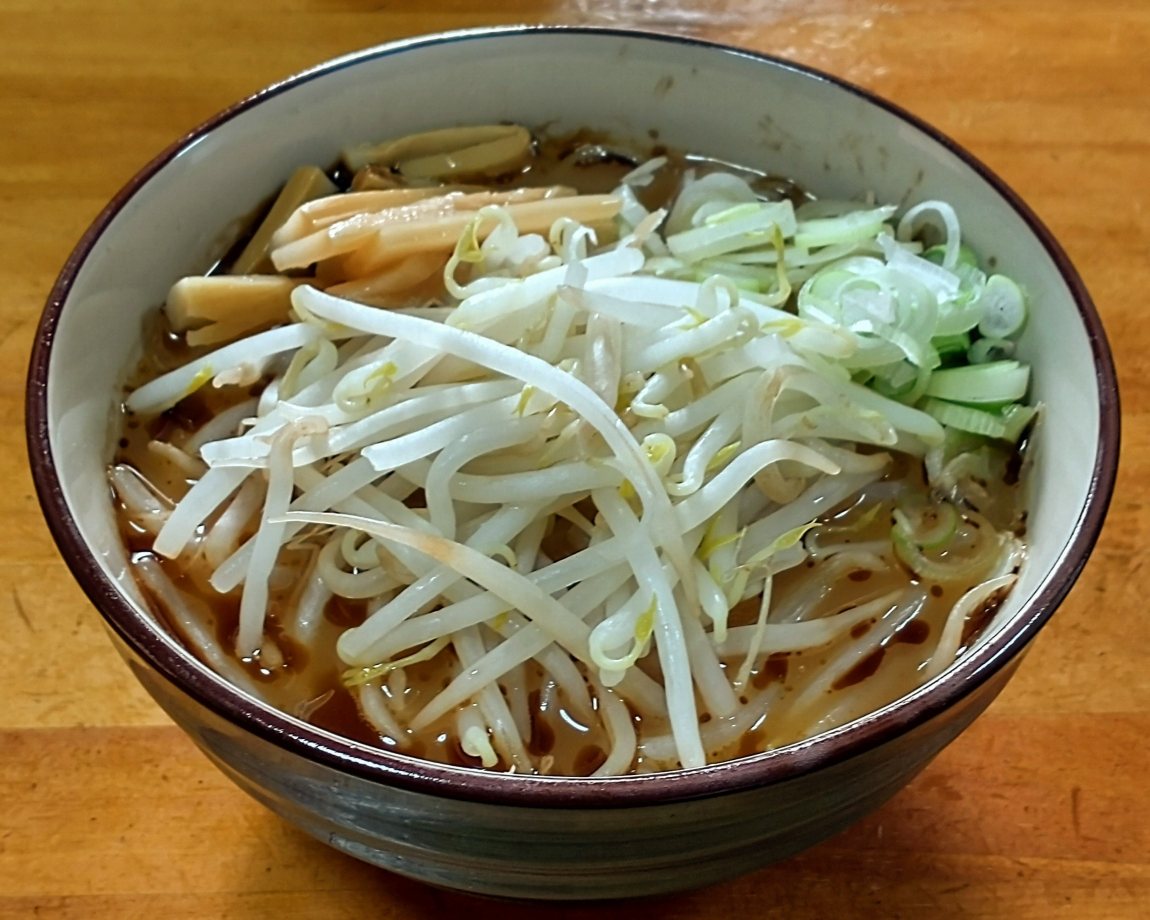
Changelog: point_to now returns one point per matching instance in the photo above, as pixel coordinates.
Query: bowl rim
(387, 768)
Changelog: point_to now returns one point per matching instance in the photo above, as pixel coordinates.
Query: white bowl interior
(723, 104)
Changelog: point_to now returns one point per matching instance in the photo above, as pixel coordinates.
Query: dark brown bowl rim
(387, 768)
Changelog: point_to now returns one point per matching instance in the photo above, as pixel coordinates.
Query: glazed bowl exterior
(531, 836)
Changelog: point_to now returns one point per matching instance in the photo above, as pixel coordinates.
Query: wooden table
(1041, 810)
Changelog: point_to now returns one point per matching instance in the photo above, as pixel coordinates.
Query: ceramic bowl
(528, 836)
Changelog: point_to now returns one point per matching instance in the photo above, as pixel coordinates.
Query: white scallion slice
(1003, 306)
(1006, 424)
(996, 383)
(986, 350)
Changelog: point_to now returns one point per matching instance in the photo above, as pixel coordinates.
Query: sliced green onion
(855, 227)
(1017, 417)
(1004, 308)
(907, 226)
(745, 209)
(966, 569)
(930, 526)
(751, 226)
(996, 383)
(966, 255)
(951, 346)
(1006, 424)
(986, 350)
(904, 382)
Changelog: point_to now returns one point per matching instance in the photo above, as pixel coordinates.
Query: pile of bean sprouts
(657, 398)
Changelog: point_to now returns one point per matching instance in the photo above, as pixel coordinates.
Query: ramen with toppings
(560, 457)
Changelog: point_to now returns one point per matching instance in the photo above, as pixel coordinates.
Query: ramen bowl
(533, 836)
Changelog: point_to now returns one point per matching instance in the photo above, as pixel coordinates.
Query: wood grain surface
(1040, 811)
